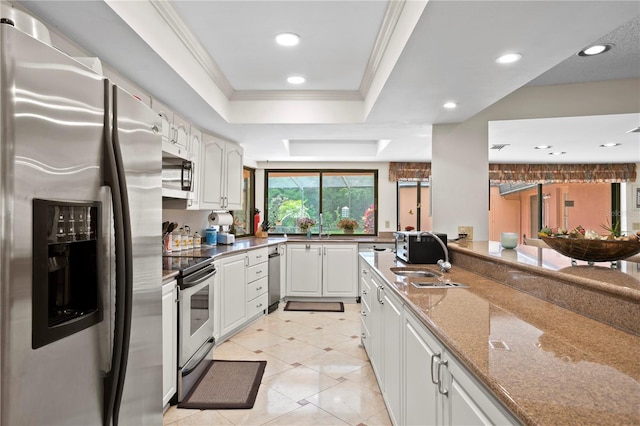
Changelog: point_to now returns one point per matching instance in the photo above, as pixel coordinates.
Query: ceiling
(377, 72)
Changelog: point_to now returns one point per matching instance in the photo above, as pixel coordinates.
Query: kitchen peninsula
(545, 363)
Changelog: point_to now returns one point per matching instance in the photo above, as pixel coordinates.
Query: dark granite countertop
(547, 364)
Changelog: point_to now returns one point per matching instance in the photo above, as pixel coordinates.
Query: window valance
(559, 173)
(533, 173)
(409, 171)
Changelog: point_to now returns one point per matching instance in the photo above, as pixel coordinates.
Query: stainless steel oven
(195, 318)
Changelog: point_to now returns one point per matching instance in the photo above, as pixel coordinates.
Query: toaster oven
(426, 251)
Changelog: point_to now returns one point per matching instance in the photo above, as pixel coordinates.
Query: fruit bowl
(593, 250)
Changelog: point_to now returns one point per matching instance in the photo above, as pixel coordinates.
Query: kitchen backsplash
(196, 219)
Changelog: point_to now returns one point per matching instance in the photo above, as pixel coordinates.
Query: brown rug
(226, 385)
(315, 306)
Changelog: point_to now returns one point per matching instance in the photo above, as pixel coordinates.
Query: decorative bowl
(593, 250)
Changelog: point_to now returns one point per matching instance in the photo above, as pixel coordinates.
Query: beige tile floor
(317, 373)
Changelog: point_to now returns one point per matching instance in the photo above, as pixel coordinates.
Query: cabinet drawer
(257, 305)
(257, 288)
(257, 256)
(257, 272)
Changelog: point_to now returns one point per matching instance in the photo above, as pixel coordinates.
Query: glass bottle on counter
(197, 240)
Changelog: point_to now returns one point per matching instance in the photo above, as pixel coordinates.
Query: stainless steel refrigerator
(80, 251)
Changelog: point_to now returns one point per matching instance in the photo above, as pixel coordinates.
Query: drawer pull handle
(433, 357)
(259, 288)
(259, 305)
(259, 272)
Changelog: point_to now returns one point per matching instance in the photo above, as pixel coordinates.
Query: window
(338, 194)
(515, 207)
(243, 219)
(413, 206)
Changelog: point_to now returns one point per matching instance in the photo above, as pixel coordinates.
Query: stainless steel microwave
(177, 174)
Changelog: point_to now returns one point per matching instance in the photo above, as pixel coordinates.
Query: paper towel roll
(221, 219)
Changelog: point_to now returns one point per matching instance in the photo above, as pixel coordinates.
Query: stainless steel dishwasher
(274, 278)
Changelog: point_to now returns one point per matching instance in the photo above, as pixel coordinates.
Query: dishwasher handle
(276, 254)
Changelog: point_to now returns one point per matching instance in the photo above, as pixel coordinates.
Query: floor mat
(226, 385)
(315, 306)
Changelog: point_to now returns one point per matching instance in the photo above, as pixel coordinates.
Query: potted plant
(305, 224)
(347, 224)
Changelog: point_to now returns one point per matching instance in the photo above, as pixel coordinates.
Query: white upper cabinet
(195, 155)
(221, 185)
(175, 131)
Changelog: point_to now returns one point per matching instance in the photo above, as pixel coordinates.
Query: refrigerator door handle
(114, 177)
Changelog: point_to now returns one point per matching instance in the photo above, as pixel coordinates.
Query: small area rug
(226, 385)
(315, 306)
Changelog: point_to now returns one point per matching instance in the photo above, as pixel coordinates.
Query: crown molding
(389, 22)
(297, 95)
(193, 45)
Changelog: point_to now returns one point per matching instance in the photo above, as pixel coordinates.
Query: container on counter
(211, 236)
(187, 230)
(168, 243)
(183, 239)
(177, 240)
(197, 240)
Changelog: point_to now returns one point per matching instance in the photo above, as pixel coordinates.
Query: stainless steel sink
(438, 284)
(414, 272)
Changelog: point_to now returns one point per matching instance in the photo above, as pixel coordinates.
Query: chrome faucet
(320, 228)
(445, 265)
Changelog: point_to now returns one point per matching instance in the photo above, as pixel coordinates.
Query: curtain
(559, 173)
(532, 173)
(409, 171)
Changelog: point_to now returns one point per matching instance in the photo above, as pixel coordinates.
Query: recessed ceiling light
(450, 105)
(596, 49)
(543, 147)
(610, 144)
(287, 39)
(296, 79)
(509, 58)
(557, 153)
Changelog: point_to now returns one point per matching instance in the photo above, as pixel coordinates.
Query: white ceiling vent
(499, 146)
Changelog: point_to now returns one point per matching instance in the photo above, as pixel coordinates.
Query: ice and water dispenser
(66, 269)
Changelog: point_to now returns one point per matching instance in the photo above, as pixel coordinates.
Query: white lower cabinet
(392, 353)
(243, 295)
(322, 270)
(421, 382)
(257, 282)
(422, 402)
(169, 341)
(233, 292)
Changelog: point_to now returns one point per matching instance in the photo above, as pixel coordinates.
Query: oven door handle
(197, 358)
(198, 277)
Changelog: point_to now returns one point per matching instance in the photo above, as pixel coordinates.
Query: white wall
(387, 197)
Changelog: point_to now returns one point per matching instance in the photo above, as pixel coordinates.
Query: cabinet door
(376, 340)
(304, 270)
(469, 401)
(166, 116)
(282, 249)
(169, 341)
(194, 148)
(211, 192)
(181, 129)
(233, 177)
(421, 399)
(233, 292)
(392, 324)
(340, 270)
